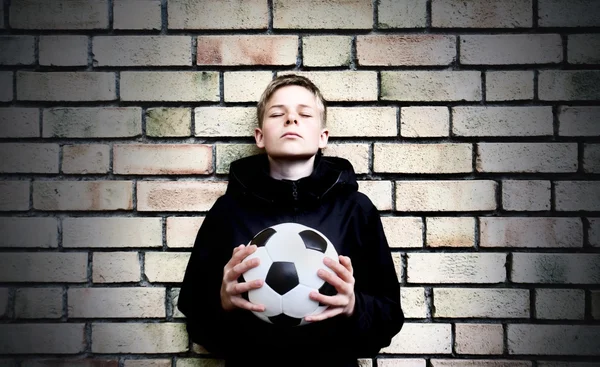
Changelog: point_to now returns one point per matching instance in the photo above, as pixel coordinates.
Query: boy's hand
(343, 281)
(231, 290)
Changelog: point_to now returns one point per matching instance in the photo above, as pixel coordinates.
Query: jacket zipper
(295, 195)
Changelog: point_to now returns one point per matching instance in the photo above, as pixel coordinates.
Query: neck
(281, 169)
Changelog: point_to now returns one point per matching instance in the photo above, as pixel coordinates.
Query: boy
(292, 182)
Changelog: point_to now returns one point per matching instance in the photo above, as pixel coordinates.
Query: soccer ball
(290, 255)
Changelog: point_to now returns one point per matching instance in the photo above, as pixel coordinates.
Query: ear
(323, 138)
(259, 138)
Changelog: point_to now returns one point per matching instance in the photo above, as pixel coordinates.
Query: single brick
(527, 157)
(421, 338)
(227, 153)
(560, 304)
(578, 121)
(14, 195)
(413, 302)
(380, 193)
(568, 85)
(428, 121)
(130, 302)
(481, 14)
(591, 158)
(357, 154)
(247, 50)
(139, 338)
(526, 195)
(168, 122)
(137, 14)
(197, 349)
(429, 86)
(347, 85)
(225, 121)
(39, 303)
(403, 232)
(64, 15)
(29, 157)
(111, 232)
(450, 232)
(182, 231)
(397, 259)
(50, 267)
(479, 363)
(402, 14)
(481, 303)
(555, 268)
(116, 267)
(509, 85)
(594, 232)
(577, 195)
(595, 305)
(75, 362)
(3, 301)
(531, 232)
(19, 122)
(64, 50)
(92, 122)
(456, 268)
(509, 49)
(583, 49)
(387, 50)
(529, 339)
(568, 13)
(170, 86)
(245, 86)
(479, 339)
(41, 338)
(162, 159)
(66, 86)
(142, 50)
(316, 14)
(398, 362)
(502, 121)
(216, 14)
(446, 195)
(423, 158)
(6, 86)
(166, 267)
(174, 300)
(147, 362)
(82, 195)
(362, 121)
(178, 196)
(86, 158)
(29, 232)
(17, 50)
(326, 50)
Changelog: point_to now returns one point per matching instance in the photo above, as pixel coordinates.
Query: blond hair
(285, 80)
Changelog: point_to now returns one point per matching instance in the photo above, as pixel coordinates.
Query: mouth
(290, 134)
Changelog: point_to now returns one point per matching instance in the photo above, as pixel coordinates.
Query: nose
(290, 121)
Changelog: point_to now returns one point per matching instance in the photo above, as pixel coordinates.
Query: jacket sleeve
(378, 315)
(199, 297)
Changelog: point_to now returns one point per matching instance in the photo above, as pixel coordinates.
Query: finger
(242, 303)
(336, 301)
(244, 266)
(240, 288)
(339, 269)
(328, 313)
(239, 255)
(333, 279)
(345, 260)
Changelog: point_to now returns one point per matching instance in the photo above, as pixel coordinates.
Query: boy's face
(291, 125)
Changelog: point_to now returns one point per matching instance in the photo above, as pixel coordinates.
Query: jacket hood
(249, 177)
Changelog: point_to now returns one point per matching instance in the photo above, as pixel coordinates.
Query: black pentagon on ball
(282, 277)
(328, 290)
(262, 237)
(313, 241)
(285, 320)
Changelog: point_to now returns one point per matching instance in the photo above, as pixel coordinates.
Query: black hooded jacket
(328, 201)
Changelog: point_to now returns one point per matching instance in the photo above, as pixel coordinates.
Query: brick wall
(473, 125)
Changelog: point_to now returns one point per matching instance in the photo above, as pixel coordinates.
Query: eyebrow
(281, 106)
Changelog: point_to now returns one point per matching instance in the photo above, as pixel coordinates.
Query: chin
(292, 156)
